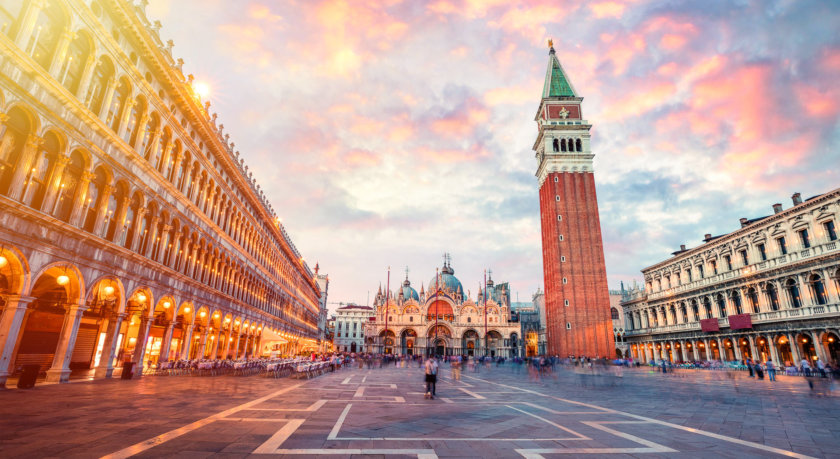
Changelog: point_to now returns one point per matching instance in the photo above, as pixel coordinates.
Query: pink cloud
(644, 97)
(819, 104)
(452, 155)
(528, 93)
(607, 9)
(461, 122)
(672, 42)
(361, 158)
(622, 50)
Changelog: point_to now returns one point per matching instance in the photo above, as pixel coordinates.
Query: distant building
(444, 320)
(350, 323)
(532, 326)
(768, 290)
(323, 282)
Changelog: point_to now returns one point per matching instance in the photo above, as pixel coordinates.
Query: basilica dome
(408, 291)
(448, 282)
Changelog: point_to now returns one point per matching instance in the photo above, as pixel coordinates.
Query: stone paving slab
(382, 413)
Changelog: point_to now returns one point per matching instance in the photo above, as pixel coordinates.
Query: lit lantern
(109, 290)
(3, 261)
(62, 279)
(187, 310)
(166, 305)
(202, 314)
(141, 297)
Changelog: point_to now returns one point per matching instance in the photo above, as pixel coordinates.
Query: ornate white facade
(130, 228)
(770, 289)
(350, 323)
(444, 321)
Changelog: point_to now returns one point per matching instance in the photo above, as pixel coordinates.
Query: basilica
(443, 320)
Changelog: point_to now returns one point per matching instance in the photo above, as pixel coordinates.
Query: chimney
(743, 222)
(777, 208)
(707, 237)
(797, 199)
(682, 247)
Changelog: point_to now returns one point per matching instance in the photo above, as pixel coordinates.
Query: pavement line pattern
(750, 444)
(534, 453)
(313, 407)
(579, 436)
(420, 453)
(360, 392)
(165, 437)
(272, 444)
(334, 432)
(471, 393)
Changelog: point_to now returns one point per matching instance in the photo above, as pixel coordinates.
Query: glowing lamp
(830, 339)
(804, 340)
(231, 340)
(62, 279)
(212, 338)
(109, 290)
(227, 319)
(216, 316)
(3, 261)
(141, 297)
(132, 340)
(187, 310)
(166, 305)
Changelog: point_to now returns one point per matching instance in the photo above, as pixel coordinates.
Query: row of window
(687, 274)
(719, 305)
(564, 145)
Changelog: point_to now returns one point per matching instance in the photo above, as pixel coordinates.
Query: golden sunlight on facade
(130, 229)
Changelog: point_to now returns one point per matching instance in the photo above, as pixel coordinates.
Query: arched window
(555, 145)
(736, 301)
(116, 201)
(18, 129)
(35, 187)
(96, 189)
(9, 13)
(68, 188)
(696, 311)
(77, 56)
(614, 313)
(102, 75)
(578, 146)
(818, 289)
(130, 222)
(162, 144)
(144, 147)
(133, 128)
(49, 26)
(563, 145)
(793, 293)
(721, 304)
(773, 297)
(752, 294)
(121, 98)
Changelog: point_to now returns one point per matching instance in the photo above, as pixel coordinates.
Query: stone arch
(15, 273)
(78, 55)
(106, 291)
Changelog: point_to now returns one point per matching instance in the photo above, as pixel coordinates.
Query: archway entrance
(531, 344)
(353, 347)
(440, 347)
(471, 348)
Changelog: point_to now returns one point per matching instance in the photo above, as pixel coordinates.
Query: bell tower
(577, 302)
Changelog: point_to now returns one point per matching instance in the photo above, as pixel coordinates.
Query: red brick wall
(589, 304)
(554, 111)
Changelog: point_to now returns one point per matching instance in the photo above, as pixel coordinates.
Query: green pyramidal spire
(556, 83)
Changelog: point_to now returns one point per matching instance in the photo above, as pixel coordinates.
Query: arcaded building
(577, 303)
(130, 228)
(444, 320)
(768, 290)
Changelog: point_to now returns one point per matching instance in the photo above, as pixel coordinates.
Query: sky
(386, 133)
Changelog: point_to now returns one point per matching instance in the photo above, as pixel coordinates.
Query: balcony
(783, 315)
(747, 271)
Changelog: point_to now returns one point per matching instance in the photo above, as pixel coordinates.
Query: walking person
(431, 377)
(771, 370)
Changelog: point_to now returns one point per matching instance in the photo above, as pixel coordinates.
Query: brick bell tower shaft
(577, 303)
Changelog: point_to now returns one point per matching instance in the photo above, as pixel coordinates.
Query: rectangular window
(714, 266)
(762, 252)
(702, 274)
(688, 272)
(803, 237)
(728, 261)
(830, 231)
(745, 258)
(782, 245)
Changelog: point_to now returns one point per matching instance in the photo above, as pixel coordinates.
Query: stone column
(228, 342)
(77, 215)
(695, 351)
(102, 209)
(236, 341)
(28, 19)
(54, 184)
(60, 57)
(805, 290)
(794, 350)
(10, 329)
(774, 353)
(86, 78)
(753, 350)
(202, 345)
(167, 342)
(119, 226)
(721, 349)
(60, 369)
(186, 342)
(152, 230)
(214, 353)
(137, 236)
(107, 100)
(109, 347)
(818, 347)
(140, 346)
(23, 168)
(176, 166)
(164, 241)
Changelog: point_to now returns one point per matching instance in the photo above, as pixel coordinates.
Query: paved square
(495, 413)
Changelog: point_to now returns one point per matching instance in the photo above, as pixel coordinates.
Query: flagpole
(387, 300)
(485, 312)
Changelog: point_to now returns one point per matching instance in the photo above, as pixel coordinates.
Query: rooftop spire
(556, 82)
